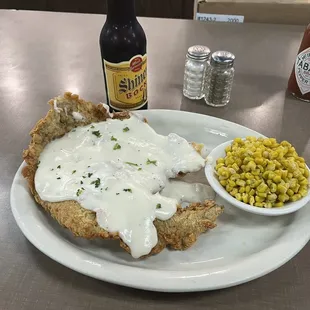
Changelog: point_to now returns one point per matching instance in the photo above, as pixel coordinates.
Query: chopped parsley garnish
(158, 206)
(127, 190)
(97, 182)
(92, 126)
(73, 130)
(39, 162)
(74, 171)
(96, 133)
(117, 193)
(106, 189)
(116, 146)
(58, 167)
(125, 129)
(58, 178)
(153, 162)
(52, 169)
(139, 169)
(113, 138)
(79, 191)
(81, 182)
(89, 174)
(83, 176)
(131, 164)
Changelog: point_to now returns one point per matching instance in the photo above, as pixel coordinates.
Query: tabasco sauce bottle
(299, 81)
(123, 52)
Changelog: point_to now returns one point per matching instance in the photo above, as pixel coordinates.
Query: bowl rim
(290, 207)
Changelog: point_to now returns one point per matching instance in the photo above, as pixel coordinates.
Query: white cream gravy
(117, 169)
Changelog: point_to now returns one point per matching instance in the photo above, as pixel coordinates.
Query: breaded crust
(179, 232)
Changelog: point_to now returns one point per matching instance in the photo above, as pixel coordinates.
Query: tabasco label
(127, 83)
(302, 71)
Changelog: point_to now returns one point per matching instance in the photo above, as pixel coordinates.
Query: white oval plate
(243, 247)
(218, 152)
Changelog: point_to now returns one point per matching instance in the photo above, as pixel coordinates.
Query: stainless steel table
(44, 54)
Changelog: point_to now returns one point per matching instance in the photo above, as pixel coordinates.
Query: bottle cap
(223, 59)
(198, 52)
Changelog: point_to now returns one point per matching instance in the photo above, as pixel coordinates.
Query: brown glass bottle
(123, 52)
(299, 81)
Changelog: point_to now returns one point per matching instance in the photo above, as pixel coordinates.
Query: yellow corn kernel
(283, 197)
(247, 189)
(284, 174)
(229, 188)
(273, 155)
(290, 192)
(259, 204)
(251, 165)
(220, 160)
(229, 160)
(235, 166)
(285, 143)
(262, 195)
(277, 179)
(249, 176)
(282, 189)
(262, 187)
(278, 165)
(256, 172)
(295, 197)
(252, 192)
(258, 160)
(242, 190)
(240, 183)
(234, 192)
(261, 168)
(272, 197)
(245, 168)
(245, 197)
(218, 166)
(271, 175)
(242, 176)
(290, 175)
(238, 197)
(278, 204)
(238, 140)
(297, 173)
(267, 142)
(271, 167)
(304, 182)
(223, 182)
(259, 199)
(231, 170)
(268, 205)
(306, 173)
(235, 177)
(252, 200)
(273, 188)
(266, 175)
(269, 182)
(303, 191)
(231, 183)
(227, 148)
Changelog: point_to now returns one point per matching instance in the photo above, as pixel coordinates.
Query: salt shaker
(219, 81)
(196, 64)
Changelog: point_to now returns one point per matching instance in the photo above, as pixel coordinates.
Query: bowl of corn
(259, 175)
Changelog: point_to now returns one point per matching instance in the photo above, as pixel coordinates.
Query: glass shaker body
(196, 65)
(219, 81)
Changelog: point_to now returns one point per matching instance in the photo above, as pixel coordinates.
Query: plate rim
(163, 280)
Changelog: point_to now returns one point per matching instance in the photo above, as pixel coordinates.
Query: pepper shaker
(196, 64)
(219, 81)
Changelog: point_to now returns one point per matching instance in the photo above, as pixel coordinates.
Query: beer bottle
(123, 52)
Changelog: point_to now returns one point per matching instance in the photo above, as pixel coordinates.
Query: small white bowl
(218, 152)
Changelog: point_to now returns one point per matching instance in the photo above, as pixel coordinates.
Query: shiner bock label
(127, 83)
(302, 71)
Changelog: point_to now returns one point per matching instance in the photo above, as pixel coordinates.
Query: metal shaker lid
(223, 59)
(199, 52)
